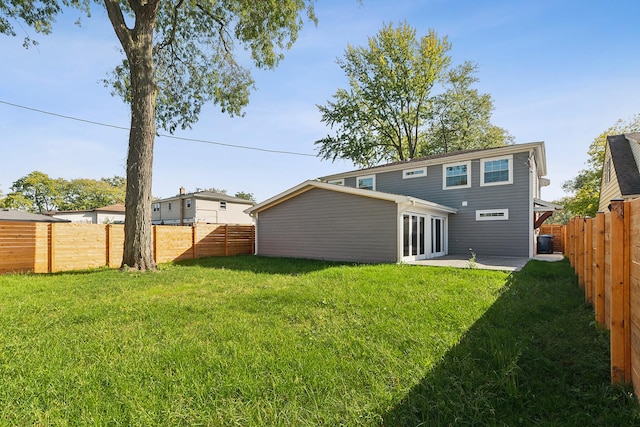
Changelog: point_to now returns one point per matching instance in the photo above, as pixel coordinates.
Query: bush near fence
(54, 247)
(605, 253)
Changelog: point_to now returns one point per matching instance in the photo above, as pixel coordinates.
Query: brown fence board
(42, 247)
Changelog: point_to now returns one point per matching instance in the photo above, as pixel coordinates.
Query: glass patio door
(414, 233)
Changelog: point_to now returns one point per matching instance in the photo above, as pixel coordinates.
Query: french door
(414, 233)
(424, 236)
(437, 236)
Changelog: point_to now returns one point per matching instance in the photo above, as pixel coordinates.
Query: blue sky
(558, 71)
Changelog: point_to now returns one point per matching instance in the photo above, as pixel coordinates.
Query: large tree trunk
(138, 46)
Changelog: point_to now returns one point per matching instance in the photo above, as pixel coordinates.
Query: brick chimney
(182, 191)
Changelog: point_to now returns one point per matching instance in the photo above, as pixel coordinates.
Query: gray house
(486, 201)
(621, 169)
(204, 207)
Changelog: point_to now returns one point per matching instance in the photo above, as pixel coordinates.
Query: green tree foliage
(462, 116)
(584, 189)
(388, 101)
(37, 192)
(391, 110)
(247, 196)
(179, 55)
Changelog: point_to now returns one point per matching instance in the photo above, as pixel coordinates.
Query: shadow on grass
(534, 358)
(258, 264)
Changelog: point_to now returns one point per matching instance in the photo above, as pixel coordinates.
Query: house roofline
(459, 156)
(311, 184)
(206, 195)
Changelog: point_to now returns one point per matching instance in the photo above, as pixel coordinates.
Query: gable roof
(624, 163)
(310, 184)
(207, 195)
(16, 215)
(457, 156)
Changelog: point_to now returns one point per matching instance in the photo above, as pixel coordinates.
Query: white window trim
(491, 159)
(411, 173)
(444, 175)
(187, 203)
(169, 206)
(503, 217)
(336, 182)
(156, 207)
(373, 178)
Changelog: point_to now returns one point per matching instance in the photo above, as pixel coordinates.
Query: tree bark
(138, 46)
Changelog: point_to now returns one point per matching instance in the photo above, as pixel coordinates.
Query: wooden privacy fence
(605, 253)
(557, 231)
(52, 247)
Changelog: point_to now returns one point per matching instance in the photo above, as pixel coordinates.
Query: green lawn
(251, 341)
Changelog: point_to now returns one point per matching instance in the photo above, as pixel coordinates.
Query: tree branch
(117, 21)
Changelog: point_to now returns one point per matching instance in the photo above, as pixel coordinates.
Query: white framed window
(456, 175)
(156, 207)
(223, 205)
(496, 171)
(607, 170)
(492, 215)
(336, 181)
(414, 173)
(366, 182)
(187, 203)
(169, 206)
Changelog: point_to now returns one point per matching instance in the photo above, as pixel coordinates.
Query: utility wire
(245, 147)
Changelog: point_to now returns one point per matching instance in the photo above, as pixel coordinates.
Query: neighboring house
(201, 207)
(113, 214)
(620, 171)
(485, 201)
(16, 215)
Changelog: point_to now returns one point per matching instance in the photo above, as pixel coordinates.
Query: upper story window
(223, 205)
(336, 181)
(456, 175)
(366, 182)
(414, 173)
(496, 171)
(187, 203)
(156, 207)
(169, 206)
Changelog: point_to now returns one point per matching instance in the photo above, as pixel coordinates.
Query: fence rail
(54, 247)
(605, 253)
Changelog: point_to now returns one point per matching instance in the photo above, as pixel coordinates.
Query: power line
(204, 141)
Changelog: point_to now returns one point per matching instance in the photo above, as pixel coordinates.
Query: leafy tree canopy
(37, 192)
(391, 110)
(178, 56)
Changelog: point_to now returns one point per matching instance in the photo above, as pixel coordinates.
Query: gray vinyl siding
(503, 238)
(322, 224)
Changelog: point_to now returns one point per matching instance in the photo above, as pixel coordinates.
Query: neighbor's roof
(309, 185)
(16, 215)
(118, 207)
(457, 156)
(625, 163)
(207, 195)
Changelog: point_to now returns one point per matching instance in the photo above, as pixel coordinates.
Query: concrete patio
(486, 262)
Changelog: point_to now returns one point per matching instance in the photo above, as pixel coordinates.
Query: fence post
(617, 307)
(194, 253)
(588, 259)
(598, 244)
(226, 240)
(579, 233)
(52, 248)
(570, 230)
(626, 280)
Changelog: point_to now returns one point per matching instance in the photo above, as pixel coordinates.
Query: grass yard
(249, 341)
